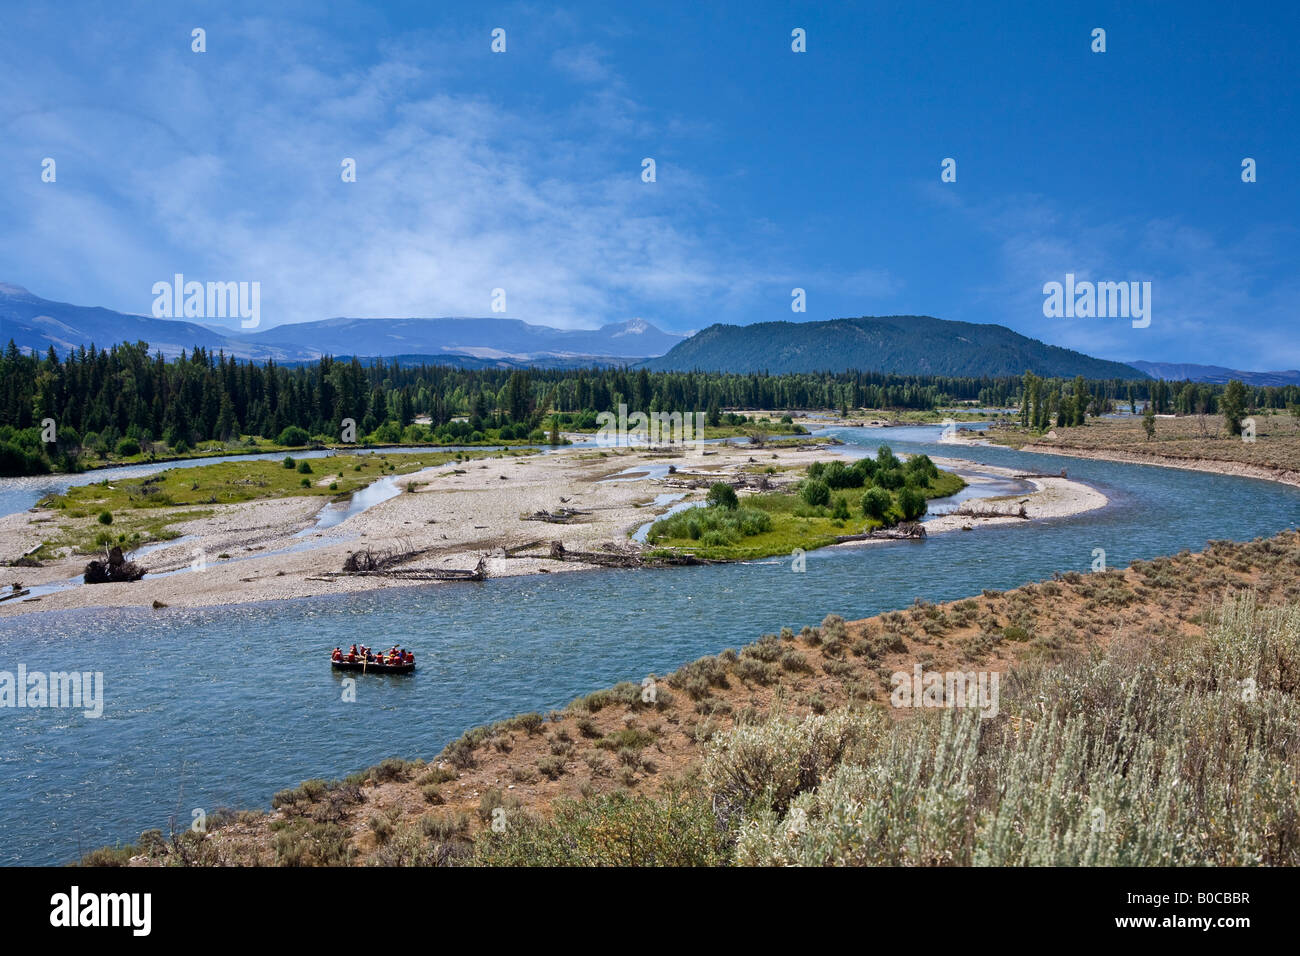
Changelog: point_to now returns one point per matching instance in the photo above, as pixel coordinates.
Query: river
(223, 706)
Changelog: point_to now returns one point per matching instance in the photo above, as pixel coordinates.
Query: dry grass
(1186, 438)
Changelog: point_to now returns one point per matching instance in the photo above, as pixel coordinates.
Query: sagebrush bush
(1164, 751)
(618, 829)
(770, 763)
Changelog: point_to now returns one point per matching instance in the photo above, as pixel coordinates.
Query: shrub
(293, 436)
(288, 463)
(435, 775)
(304, 467)
(432, 794)
(922, 466)
(759, 672)
(529, 723)
(815, 493)
(890, 478)
(627, 738)
(769, 764)
(875, 503)
(618, 829)
(911, 503)
(838, 475)
(796, 662)
(393, 769)
(109, 856)
(382, 827)
(1157, 735)
(314, 844)
(551, 767)
(106, 517)
(444, 826)
(723, 495)
(128, 447)
(713, 527)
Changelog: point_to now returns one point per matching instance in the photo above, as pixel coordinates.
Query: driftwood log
(16, 591)
(904, 530)
(623, 559)
(560, 516)
(367, 562)
(966, 511)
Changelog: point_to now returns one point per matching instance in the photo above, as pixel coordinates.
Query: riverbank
(505, 512)
(1189, 442)
(645, 754)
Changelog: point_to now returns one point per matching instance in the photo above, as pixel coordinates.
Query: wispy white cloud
(226, 166)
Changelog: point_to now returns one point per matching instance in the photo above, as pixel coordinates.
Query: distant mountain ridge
(902, 344)
(1216, 374)
(36, 323)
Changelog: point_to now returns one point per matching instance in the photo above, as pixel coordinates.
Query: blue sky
(775, 169)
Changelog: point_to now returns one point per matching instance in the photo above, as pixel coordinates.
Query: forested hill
(900, 344)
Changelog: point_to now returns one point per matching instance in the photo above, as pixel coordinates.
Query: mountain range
(1215, 374)
(36, 323)
(903, 344)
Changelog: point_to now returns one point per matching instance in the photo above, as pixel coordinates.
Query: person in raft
(395, 655)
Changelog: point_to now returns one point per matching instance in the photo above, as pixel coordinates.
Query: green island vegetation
(143, 510)
(123, 406)
(834, 499)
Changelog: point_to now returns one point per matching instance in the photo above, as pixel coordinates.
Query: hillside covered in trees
(901, 344)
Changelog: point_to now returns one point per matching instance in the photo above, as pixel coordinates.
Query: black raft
(371, 667)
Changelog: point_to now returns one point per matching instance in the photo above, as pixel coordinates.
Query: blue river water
(223, 706)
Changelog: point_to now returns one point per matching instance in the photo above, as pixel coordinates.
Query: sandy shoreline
(460, 512)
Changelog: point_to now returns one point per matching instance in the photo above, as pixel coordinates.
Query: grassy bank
(148, 453)
(1185, 438)
(134, 511)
